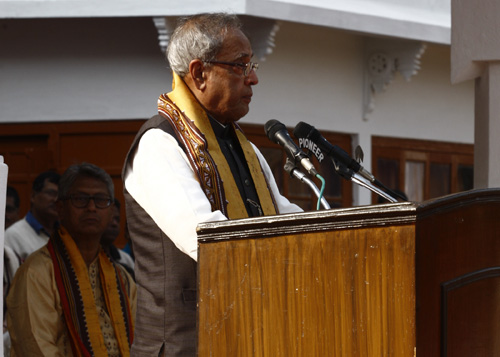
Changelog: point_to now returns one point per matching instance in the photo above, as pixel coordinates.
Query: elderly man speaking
(191, 163)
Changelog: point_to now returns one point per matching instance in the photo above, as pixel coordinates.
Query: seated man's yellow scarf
(194, 131)
(77, 298)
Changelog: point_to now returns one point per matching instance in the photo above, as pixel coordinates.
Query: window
(423, 169)
(338, 192)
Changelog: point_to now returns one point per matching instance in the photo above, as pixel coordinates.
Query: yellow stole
(201, 141)
(71, 298)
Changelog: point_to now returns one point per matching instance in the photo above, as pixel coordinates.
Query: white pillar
(4, 170)
(475, 54)
(487, 128)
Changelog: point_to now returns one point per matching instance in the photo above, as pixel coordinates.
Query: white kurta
(23, 239)
(163, 183)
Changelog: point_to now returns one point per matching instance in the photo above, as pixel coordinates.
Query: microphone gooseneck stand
(361, 180)
(294, 172)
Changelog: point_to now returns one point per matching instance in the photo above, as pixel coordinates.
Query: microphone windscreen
(302, 130)
(272, 127)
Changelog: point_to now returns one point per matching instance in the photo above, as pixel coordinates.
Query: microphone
(309, 137)
(277, 133)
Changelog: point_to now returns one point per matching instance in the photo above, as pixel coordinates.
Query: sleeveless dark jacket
(166, 278)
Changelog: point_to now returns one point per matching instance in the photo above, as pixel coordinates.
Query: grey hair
(198, 37)
(84, 169)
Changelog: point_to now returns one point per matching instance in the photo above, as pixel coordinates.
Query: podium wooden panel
(458, 275)
(365, 281)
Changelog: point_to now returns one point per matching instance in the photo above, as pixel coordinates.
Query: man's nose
(91, 205)
(252, 78)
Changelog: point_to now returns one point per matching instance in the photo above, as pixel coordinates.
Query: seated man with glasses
(33, 231)
(192, 163)
(69, 298)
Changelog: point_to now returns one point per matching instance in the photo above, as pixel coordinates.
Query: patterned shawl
(195, 132)
(77, 299)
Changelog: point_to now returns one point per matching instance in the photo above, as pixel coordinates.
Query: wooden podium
(385, 280)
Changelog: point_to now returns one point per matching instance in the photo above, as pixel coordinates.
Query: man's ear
(197, 73)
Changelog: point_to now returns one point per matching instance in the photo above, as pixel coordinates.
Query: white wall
(316, 75)
(99, 69)
(107, 69)
(79, 69)
(429, 106)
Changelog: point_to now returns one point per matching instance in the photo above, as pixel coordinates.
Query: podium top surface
(343, 218)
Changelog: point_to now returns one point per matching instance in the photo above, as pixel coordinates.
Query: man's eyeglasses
(247, 67)
(80, 200)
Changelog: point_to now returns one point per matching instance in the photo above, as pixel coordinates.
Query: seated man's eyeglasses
(81, 200)
(247, 67)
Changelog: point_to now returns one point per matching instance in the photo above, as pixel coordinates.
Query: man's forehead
(245, 55)
(236, 45)
(86, 183)
(47, 183)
